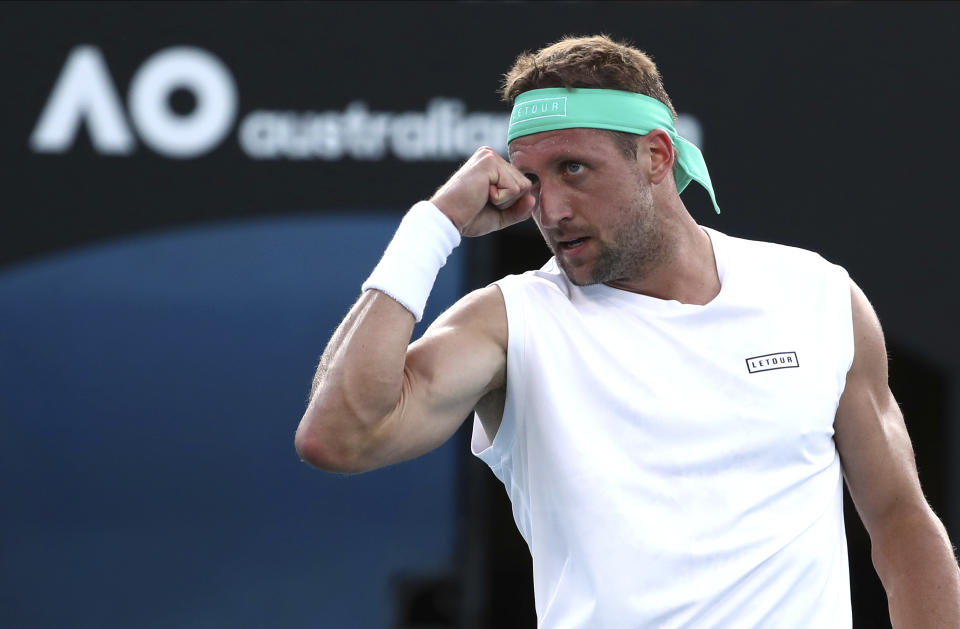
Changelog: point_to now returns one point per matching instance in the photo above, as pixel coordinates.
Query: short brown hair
(591, 62)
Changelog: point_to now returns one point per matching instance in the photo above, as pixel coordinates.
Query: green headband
(569, 108)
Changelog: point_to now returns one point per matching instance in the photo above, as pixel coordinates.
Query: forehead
(539, 148)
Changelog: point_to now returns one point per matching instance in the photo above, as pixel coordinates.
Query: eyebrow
(565, 155)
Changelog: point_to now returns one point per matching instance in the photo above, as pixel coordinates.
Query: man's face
(595, 206)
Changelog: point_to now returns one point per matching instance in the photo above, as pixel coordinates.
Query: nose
(552, 205)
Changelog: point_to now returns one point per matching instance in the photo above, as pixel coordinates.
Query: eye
(573, 168)
(533, 178)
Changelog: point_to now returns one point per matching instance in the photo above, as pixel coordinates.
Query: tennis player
(672, 410)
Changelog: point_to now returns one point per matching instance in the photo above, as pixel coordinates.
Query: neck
(687, 271)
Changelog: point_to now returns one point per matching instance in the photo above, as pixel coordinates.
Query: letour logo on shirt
(769, 362)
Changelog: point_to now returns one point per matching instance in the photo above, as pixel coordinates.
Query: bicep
(460, 358)
(869, 429)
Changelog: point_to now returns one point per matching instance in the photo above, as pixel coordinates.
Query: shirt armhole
(495, 452)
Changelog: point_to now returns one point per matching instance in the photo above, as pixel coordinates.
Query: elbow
(325, 449)
(310, 448)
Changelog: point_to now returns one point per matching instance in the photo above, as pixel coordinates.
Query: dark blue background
(151, 388)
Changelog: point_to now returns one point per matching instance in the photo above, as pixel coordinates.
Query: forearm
(362, 365)
(357, 384)
(917, 566)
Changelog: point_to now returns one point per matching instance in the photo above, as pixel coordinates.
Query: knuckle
(486, 153)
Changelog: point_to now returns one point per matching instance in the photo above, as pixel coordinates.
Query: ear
(661, 153)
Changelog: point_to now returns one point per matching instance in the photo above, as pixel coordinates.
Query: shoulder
(479, 310)
(765, 251)
(468, 339)
(477, 320)
(486, 309)
(777, 264)
(870, 359)
(549, 279)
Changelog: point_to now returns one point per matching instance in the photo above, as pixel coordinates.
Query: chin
(577, 276)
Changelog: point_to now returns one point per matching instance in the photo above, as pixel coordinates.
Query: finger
(508, 190)
(499, 197)
(519, 211)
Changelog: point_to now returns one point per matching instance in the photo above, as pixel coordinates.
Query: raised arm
(911, 551)
(376, 401)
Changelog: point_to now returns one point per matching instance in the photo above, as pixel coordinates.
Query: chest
(755, 386)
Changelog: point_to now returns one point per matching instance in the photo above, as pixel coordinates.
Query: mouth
(572, 247)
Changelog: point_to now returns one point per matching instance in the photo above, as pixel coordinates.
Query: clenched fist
(485, 195)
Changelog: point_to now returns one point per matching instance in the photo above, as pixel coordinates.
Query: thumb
(521, 210)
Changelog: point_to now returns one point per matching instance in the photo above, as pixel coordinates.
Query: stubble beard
(638, 246)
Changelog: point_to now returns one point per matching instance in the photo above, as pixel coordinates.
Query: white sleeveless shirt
(673, 465)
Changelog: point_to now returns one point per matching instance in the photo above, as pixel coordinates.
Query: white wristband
(409, 266)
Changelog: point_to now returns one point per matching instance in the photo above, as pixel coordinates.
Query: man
(668, 407)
